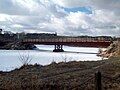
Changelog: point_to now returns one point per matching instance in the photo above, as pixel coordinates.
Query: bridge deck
(69, 41)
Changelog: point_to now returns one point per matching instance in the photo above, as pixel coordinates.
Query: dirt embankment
(112, 51)
(63, 76)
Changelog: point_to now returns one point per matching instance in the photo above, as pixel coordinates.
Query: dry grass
(62, 76)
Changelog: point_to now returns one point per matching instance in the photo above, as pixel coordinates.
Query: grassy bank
(63, 76)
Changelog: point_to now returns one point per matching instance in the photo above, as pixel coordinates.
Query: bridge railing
(64, 40)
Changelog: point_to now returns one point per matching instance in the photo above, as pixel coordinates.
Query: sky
(66, 17)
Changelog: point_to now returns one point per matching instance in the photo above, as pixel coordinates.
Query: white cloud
(71, 3)
(106, 4)
(50, 16)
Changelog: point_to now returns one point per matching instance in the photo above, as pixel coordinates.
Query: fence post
(98, 85)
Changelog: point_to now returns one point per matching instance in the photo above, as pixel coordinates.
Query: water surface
(10, 59)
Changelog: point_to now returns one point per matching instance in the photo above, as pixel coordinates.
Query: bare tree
(66, 58)
(24, 58)
(53, 59)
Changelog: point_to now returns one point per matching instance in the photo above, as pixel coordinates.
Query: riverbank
(71, 75)
(112, 50)
(17, 46)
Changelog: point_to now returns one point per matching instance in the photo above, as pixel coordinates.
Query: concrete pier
(58, 48)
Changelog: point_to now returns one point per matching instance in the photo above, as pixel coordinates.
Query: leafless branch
(25, 58)
(66, 58)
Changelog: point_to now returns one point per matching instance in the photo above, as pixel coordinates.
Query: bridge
(58, 42)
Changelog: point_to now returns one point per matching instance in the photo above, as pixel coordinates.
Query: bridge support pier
(58, 48)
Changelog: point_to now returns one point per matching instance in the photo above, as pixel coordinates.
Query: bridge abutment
(58, 48)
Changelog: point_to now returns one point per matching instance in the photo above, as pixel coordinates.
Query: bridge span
(58, 42)
(54, 39)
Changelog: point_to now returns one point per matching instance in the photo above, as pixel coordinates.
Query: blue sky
(86, 10)
(66, 17)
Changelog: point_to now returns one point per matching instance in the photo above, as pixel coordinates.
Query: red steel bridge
(58, 42)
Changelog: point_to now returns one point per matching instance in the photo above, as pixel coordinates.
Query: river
(10, 59)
